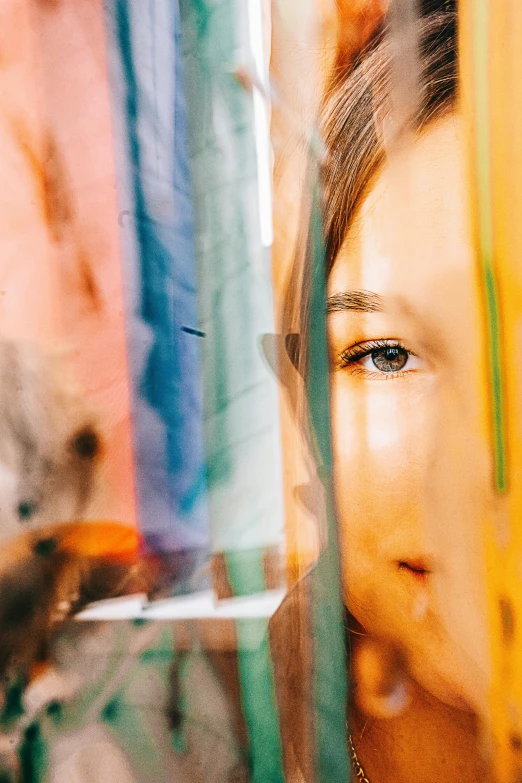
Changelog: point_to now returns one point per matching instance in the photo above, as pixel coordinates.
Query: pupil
(390, 359)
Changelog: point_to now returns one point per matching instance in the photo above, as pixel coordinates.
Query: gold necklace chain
(358, 771)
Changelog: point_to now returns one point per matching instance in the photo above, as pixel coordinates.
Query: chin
(445, 687)
(386, 610)
(444, 670)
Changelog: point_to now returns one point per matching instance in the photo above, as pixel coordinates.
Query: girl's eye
(379, 358)
(389, 359)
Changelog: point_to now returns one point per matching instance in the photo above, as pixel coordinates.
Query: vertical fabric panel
(234, 285)
(156, 222)
(330, 681)
(236, 310)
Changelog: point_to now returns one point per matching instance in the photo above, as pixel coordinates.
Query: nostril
(27, 509)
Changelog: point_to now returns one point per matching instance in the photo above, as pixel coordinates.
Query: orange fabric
(99, 539)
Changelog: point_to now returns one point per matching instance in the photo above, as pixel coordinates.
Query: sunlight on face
(411, 465)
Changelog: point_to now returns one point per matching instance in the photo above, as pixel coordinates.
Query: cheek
(380, 454)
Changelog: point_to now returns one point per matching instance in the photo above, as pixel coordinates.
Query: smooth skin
(412, 465)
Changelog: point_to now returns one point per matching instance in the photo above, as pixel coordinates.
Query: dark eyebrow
(360, 301)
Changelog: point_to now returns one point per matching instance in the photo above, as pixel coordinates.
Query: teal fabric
(330, 669)
(241, 411)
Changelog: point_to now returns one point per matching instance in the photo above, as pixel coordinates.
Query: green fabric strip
(33, 755)
(245, 571)
(487, 259)
(330, 671)
(259, 702)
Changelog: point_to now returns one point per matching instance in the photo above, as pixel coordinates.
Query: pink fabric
(60, 268)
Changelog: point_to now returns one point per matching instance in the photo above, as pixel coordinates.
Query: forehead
(411, 234)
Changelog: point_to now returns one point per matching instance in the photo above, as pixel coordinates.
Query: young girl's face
(412, 470)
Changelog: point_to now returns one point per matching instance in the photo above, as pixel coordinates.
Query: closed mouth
(419, 568)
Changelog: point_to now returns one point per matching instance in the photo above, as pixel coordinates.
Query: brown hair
(352, 113)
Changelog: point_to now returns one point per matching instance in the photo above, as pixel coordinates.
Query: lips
(418, 567)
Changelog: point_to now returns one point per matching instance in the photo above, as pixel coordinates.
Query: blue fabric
(158, 259)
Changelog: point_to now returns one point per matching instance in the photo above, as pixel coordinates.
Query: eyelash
(350, 357)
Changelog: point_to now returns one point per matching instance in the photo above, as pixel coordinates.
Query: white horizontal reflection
(202, 605)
